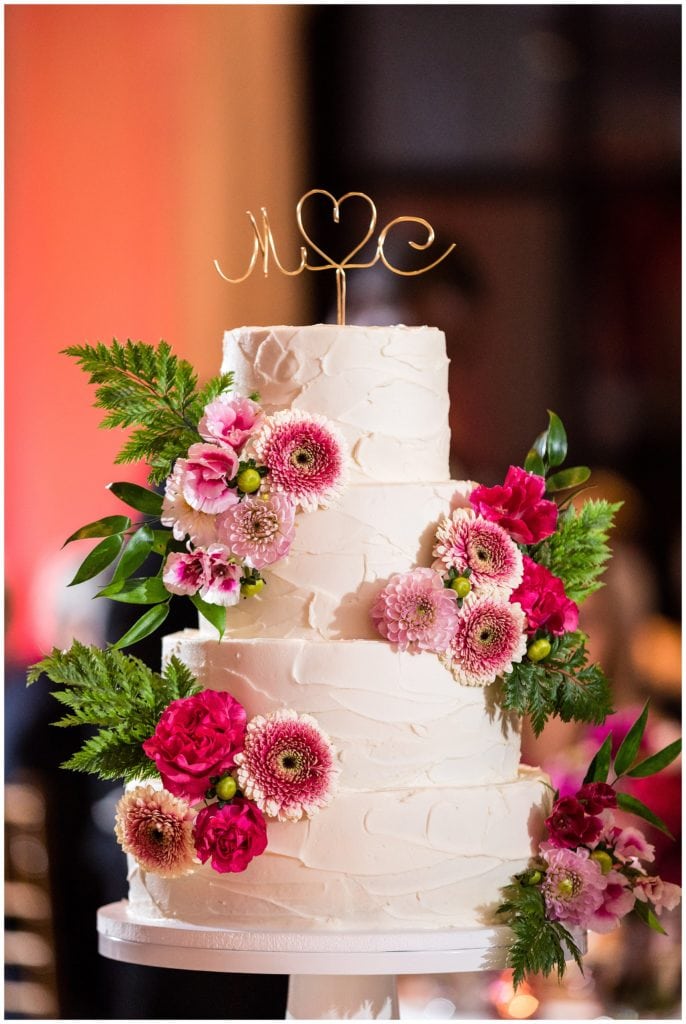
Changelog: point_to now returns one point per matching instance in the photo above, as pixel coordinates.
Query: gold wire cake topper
(263, 242)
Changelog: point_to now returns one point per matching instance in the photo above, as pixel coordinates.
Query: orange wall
(136, 138)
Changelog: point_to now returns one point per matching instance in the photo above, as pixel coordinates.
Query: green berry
(226, 788)
(603, 859)
(534, 878)
(461, 586)
(252, 588)
(538, 650)
(248, 481)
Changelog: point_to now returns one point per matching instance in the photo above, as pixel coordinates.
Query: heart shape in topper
(336, 213)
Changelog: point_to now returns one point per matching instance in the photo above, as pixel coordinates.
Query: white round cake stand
(333, 975)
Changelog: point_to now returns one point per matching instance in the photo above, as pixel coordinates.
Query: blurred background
(545, 141)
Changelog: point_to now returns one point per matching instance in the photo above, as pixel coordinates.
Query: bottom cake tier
(423, 859)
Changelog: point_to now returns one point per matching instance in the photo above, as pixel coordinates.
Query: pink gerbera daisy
(305, 455)
(157, 829)
(574, 885)
(259, 530)
(416, 612)
(488, 639)
(467, 541)
(287, 765)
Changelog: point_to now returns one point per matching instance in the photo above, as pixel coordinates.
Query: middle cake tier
(340, 559)
(397, 720)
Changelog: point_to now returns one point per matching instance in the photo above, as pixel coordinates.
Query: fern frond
(578, 551)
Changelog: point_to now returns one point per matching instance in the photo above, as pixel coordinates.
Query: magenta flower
(184, 520)
(287, 765)
(183, 573)
(662, 895)
(416, 612)
(305, 455)
(230, 422)
(618, 900)
(488, 639)
(569, 825)
(259, 530)
(157, 829)
(518, 506)
(222, 577)
(195, 738)
(466, 541)
(230, 836)
(543, 598)
(574, 885)
(597, 797)
(630, 843)
(204, 476)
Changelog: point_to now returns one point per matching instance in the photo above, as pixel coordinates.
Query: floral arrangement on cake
(234, 480)
(222, 776)
(512, 563)
(590, 871)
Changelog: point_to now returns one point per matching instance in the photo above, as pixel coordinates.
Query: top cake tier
(386, 388)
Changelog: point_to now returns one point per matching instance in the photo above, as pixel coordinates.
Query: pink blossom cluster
(593, 869)
(281, 766)
(233, 497)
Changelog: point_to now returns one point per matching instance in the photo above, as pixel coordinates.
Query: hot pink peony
(259, 530)
(574, 886)
(662, 895)
(543, 598)
(416, 612)
(618, 900)
(222, 577)
(230, 421)
(230, 836)
(466, 541)
(305, 455)
(204, 476)
(184, 520)
(569, 825)
(197, 737)
(488, 638)
(518, 506)
(183, 573)
(157, 829)
(630, 843)
(287, 766)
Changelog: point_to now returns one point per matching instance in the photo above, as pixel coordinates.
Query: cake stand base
(334, 975)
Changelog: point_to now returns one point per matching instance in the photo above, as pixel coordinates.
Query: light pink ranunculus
(544, 602)
(632, 843)
(230, 421)
(195, 738)
(662, 895)
(518, 505)
(618, 900)
(205, 475)
(223, 577)
(184, 573)
(230, 836)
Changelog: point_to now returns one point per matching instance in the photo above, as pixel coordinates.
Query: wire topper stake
(263, 243)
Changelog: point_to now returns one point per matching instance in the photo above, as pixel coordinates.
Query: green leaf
(161, 540)
(556, 443)
(102, 555)
(540, 444)
(567, 478)
(645, 912)
(599, 767)
(136, 551)
(214, 613)
(533, 463)
(137, 497)
(626, 755)
(100, 528)
(653, 765)
(147, 624)
(140, 590)
(632, 804)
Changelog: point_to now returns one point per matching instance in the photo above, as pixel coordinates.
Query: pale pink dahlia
(416, 612)
(184, 520)
(259, 530)
(488, 639)
(287, 765)
(157, 829)
(223, 577)
(230, 421)
(305, 455)
(205, 474)
(467, 541)
(574, 886)
(184, 573)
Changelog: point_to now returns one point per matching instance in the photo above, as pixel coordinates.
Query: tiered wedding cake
(433, 811)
